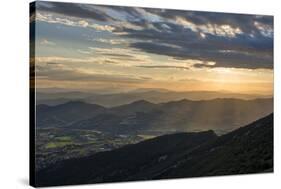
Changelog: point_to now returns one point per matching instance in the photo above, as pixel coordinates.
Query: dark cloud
(110, 62)
(118, 55)
(74, 10)
(251, 47)
(53, 63)
(243, 21)
(169, 67)
(241, 51)
(130, 13)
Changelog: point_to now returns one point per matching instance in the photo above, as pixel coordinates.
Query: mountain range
(248, 149)
(151, 95)
(221, 115)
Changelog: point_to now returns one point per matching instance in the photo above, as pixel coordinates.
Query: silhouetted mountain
(132, 108)
(56, 101)
(154, 96)
(246, 150)
(151, 95)
(221, 115)
(64, 114)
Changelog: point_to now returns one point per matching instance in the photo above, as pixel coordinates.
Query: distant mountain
(151, 95)
(221, 115)
(134, 107)
(246, 150)
(64, 114)
(218, 114)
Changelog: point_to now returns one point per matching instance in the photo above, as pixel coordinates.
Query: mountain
(218, 114)
(248, 149)
(64, 114)
(151, 95)
(221, 115)
(134, 107)
(245, 150)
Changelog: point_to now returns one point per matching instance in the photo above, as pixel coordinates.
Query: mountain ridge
(154, 96)
(141, 116)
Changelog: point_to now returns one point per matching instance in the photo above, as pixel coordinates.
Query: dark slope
(126, 161)
(245, 150)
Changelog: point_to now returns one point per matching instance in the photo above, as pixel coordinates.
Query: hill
(248, 149)
(65, 114)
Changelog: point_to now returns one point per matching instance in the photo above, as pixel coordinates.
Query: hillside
(246, 150)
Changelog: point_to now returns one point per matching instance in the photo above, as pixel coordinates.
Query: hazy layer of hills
(221, 115)
(151, 95)
(246, 150)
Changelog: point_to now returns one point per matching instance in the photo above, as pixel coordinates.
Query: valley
(246, 150)
(58, 144)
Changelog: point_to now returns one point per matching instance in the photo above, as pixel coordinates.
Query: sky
(116, 49)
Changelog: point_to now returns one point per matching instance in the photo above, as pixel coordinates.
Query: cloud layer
(228, 40)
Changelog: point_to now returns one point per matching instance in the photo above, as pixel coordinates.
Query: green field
(57, 144)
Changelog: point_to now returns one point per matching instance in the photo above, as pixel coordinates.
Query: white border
(14, 94)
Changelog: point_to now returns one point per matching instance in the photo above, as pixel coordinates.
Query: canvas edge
(31, 97)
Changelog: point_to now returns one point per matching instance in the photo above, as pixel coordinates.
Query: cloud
(214, 29)
(111, 41)
(237, 59)
(123, 57)
(245, 23)
(165, 67)
(239, 51)
(227, 40)
(265, 29)
(54, 71)
(47, 42)
(84, 51)
(74, 10)
(74, 22)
